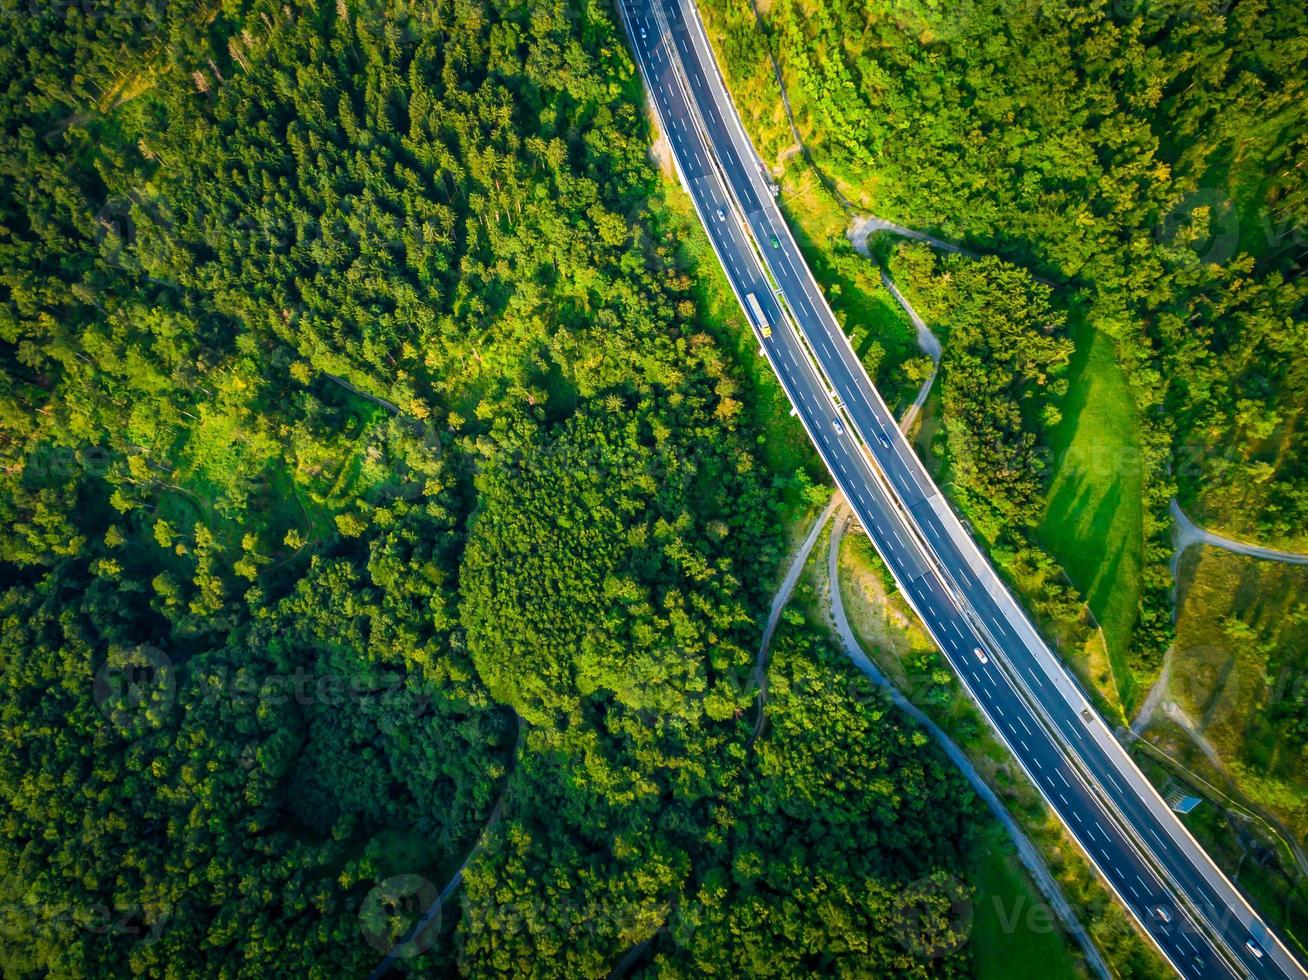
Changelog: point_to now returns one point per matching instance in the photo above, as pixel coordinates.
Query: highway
(1197, 918)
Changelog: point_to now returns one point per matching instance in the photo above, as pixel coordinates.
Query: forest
(372, 486)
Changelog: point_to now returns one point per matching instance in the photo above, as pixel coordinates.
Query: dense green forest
(1145, 156)
(1003, 377)
(367, 472)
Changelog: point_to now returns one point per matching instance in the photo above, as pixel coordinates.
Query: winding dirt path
(1154, 698)
(1186, 532)
(779, 601)
(927, 341)
(456, 879)
(865, 225)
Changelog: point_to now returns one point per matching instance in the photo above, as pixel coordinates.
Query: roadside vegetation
(1230, 722)
(1244, 849)
(892, 636)
(783, 444)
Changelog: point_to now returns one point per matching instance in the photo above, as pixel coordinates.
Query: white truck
(757, 312)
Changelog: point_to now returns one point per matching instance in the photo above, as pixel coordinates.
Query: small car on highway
(883, 438)
(1252, 947)
(722, 215)
(981, 655)
(835, 424)
(1161, 914)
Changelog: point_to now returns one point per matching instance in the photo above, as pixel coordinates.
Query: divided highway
(1198, 919)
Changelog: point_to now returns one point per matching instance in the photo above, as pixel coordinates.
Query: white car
(642, 34)
(981, 655)
(835, 424)
(1162, 914)
(1252, 947)
(722, 215)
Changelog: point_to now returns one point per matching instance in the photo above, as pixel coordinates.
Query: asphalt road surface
(1194, 914)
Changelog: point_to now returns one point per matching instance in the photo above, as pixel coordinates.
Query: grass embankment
(1005, 945)
(1241, 653)
(1240, 721)
(875, 323)
(1094, 512)
(742, 54)
(1014, 933)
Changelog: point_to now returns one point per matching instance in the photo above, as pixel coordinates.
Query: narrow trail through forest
(1186, 532)
(779, 601)
(434, 910)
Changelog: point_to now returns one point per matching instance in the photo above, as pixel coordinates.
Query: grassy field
(1094, 510)
(1235, 728)
(1014, 933)
(1237, 672)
